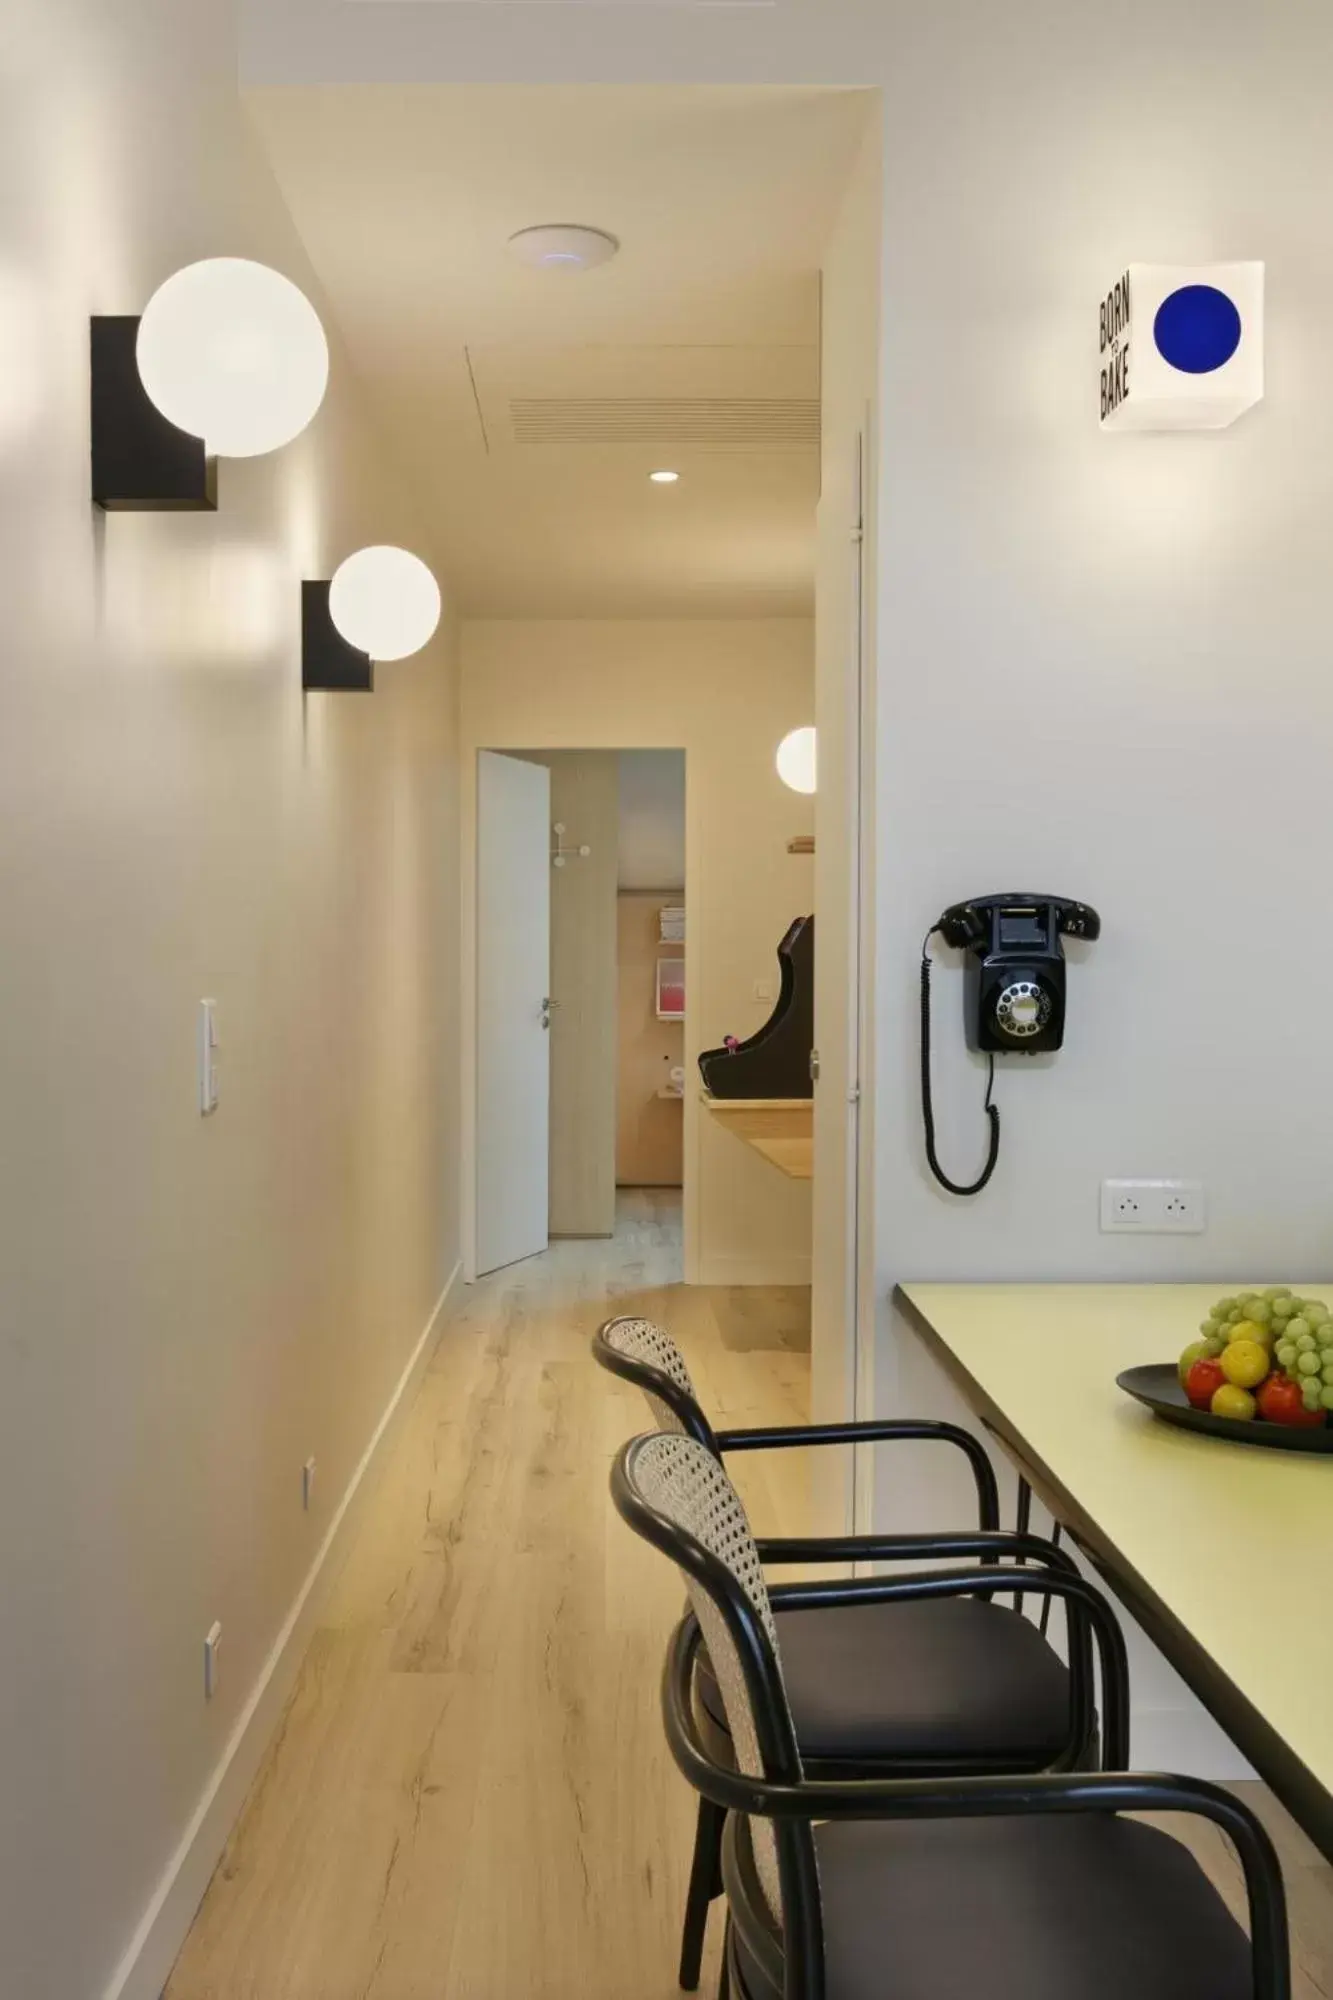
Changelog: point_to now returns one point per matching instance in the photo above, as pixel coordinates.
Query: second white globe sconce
(385, 602)
(796, 760)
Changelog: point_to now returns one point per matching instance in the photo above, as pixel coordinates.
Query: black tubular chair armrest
(1090, 1612)
(876, 1430)
(984, 1543)
(990, 1797)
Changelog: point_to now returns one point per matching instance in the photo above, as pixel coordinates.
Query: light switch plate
(212, 1649)
(208, 1057)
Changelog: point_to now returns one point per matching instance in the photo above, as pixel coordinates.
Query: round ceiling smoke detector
(563, 246)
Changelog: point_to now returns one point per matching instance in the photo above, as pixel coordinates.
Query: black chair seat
(963, 1678)
(1062, 1907)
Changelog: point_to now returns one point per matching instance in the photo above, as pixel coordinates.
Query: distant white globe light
(796, 760)
(235, 354)
(385, 602)
(564, 246)
(664, 478)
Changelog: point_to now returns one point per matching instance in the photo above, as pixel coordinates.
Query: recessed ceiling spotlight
(563, 246)
(664, 478)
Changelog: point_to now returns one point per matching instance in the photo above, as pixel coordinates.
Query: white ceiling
(838, 42)
(527, 407)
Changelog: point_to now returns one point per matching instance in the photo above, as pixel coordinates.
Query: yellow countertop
(1236, 1543)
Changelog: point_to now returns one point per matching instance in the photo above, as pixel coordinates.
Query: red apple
(1203, 1382)
(1280, 1402)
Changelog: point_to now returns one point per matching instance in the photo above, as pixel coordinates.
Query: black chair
(914, 1684)
(1015, 1888)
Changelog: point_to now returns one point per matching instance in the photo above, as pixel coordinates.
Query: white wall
(652, 819)
(725, 692)
(188, 1309)
(1105, 662)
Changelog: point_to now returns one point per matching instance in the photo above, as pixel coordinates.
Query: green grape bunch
(1304, 1350)
(1298, 1333)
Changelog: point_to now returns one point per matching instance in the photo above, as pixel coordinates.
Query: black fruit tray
(1157, 1386)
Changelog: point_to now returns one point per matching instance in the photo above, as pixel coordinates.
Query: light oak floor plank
(469, 1797)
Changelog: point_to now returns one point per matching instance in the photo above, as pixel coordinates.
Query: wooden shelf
(781, 1129)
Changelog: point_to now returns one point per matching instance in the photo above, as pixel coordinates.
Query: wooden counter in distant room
(781, 1128)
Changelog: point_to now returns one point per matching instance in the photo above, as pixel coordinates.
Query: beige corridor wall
(189, 1308)
(726, 692)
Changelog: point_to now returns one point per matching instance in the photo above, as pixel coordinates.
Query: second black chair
(951, 1685)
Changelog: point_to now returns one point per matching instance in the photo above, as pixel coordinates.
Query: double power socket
(1154, 1208)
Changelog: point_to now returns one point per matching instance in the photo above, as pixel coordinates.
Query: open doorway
(643, 921)
(652, 973)
(581, 927)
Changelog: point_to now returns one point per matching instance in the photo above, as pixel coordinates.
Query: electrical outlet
(212, 1649)
(308, 1484)
(1154, 1208)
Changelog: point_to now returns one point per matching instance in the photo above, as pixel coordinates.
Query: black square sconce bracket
(327, 661)
(141, 461)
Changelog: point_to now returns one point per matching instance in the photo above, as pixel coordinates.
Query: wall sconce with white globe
(383, 604)
(229, 360)
(386, 602)
(796, 760)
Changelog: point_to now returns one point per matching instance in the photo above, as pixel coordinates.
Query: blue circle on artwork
(1197, 329)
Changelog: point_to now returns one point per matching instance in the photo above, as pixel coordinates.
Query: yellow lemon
(1245, 1364)
(1231, 1402)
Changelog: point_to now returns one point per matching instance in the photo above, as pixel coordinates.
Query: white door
(513, 1009)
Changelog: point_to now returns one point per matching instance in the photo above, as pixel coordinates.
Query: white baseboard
(752, 1271)
(146, 1965)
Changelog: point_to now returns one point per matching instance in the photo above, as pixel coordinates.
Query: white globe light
(235, 354)
(385, 602)
(796, 760)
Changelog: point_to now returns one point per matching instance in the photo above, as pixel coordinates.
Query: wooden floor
(469, 1797)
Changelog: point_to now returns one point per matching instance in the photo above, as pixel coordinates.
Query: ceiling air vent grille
(738, 423)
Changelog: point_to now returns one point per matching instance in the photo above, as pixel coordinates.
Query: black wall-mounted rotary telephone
(1015, 994)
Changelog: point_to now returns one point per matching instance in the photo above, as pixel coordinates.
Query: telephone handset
(1015, 992)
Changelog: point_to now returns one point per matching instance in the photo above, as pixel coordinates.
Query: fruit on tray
(1265, 1355)
(1280, 1401)
(1232, 1402)
(1202, 1383)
